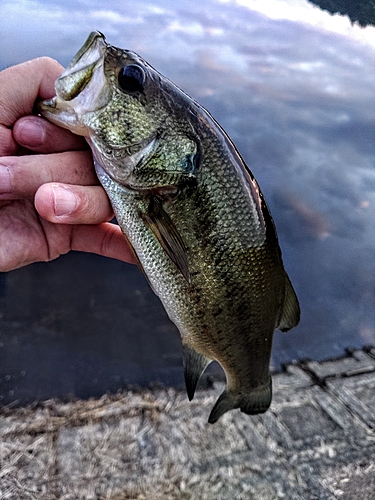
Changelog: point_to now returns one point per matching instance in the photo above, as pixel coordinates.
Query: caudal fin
(256, 401)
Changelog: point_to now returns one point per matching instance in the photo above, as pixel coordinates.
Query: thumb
(70, 204)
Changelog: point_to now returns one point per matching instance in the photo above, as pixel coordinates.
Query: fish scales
(191, 210)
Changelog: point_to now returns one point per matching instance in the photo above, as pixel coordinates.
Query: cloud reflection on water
(294, 88)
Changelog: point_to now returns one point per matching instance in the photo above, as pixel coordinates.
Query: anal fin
(194, 366)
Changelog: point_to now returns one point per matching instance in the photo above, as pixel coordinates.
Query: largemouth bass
(191, 210)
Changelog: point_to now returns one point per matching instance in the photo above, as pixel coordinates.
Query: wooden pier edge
(317, 441)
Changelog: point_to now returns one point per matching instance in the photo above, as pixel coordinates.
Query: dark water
(294, 87)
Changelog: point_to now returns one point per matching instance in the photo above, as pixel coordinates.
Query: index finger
(20, 87)
(22, 84)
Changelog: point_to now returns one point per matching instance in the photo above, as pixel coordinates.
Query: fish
(192, 212)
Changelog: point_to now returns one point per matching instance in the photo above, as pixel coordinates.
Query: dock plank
(317, 441)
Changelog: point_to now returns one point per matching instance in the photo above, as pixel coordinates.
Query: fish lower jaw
(62, 113)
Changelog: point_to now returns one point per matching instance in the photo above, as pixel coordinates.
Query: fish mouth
(96, 39)
(81, 88)
(80, 70)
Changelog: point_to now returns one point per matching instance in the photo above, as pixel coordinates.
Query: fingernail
(5, 185)
(30, 133)
(64, 200)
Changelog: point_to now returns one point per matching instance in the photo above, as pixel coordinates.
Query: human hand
(50, 199)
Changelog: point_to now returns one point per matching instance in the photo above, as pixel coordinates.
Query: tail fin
(256, 401)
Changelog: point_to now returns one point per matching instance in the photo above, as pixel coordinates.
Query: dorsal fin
(290, 313)
(194, 366)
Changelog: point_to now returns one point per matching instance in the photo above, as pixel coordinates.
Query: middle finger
(39, 135)
(21, 176)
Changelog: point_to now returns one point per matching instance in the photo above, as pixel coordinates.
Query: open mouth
(80, 71)
(81, 88)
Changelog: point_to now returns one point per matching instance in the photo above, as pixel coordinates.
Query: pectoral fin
(164, 230)
(194, 366)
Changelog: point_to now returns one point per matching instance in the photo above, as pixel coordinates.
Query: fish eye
(131, 78)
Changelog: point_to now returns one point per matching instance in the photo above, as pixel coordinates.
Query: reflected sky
(294, 87)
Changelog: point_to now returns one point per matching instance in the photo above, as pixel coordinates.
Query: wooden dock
(317, 441)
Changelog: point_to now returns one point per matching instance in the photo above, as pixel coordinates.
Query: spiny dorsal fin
(290, 314)
(164, 230)
(194, 366)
